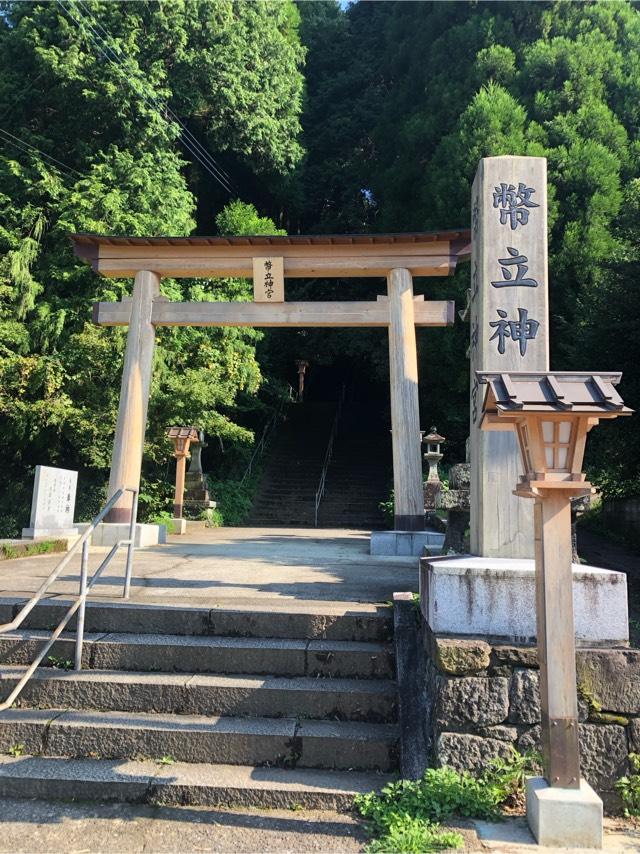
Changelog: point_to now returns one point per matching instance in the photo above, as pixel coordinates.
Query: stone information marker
(508, 332)
(53, 503)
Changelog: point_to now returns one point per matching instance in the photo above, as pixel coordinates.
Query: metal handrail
(266, 434)
(328, 453)
(80, 603)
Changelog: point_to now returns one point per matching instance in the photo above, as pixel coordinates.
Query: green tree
(88, 98)
(436, 86)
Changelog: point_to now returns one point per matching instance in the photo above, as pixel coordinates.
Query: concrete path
(74, 828)
(237, 568)
(57, 828)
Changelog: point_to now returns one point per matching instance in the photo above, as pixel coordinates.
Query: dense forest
(190, 116)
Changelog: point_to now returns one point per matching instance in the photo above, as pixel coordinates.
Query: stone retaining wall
(479, 699)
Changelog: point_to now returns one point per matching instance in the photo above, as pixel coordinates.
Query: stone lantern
(433, 456)
(552, 414)
(432, 485)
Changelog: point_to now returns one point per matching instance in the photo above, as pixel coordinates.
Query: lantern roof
(582, 393)
(183, 433)
(434, 436)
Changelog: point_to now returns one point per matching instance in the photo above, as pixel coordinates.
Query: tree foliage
(436, 86)
(365, 118)
(91, 147)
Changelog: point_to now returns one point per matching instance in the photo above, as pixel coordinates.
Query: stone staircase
(358, 478)
(360, 474)
(196, 706)
(287, 490)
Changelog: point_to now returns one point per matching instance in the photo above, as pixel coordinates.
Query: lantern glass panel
(564, 432)
(562, 458)
(548, 454)
(547, 431)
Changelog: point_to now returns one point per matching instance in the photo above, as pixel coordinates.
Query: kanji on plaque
(513, 203)
(511, 278)
(519, 331)
(268, 279)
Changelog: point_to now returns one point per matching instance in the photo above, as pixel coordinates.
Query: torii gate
(269, 260)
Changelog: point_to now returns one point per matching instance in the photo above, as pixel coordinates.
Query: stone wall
(479, 699)
(623, 514)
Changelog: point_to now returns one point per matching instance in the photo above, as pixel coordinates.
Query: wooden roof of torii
(432, 253)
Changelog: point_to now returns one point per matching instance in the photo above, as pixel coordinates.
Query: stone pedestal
(564, 818)
(196, 495)
(48, 533)
(178, 526)
(405, 543)
(457, 503)
(109, 533)
(495, 597)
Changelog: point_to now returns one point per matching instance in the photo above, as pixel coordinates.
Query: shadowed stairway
(358, 477)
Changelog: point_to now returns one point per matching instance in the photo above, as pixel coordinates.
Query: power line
(208, 163)
(175, 117)
(26, 147)
(204, 159)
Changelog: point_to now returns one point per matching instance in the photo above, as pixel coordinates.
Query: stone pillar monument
(509, 332)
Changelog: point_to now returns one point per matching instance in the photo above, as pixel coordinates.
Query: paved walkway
(237, 568)
(76, 828)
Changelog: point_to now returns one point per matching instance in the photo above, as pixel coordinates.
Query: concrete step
(284, 742)
(191, 654)
(182, 783)
(372, 701)
(371, 624)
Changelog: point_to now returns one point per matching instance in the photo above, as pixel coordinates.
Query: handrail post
(84, 565)
(79, 605)
(131, 546)
(329, 452)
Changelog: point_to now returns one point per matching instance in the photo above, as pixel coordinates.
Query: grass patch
(234, 499)
(57, 662)
(165, 518)
(10, 551)
(406, 816)
(629, 787)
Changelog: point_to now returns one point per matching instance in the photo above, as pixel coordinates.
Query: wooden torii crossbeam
(269, 261)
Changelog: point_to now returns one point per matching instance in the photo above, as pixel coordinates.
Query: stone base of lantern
(564, 818)
(464, 595)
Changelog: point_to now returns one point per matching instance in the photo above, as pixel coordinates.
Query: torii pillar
(405, 414)
(128, 444)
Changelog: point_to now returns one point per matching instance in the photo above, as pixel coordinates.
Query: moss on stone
(608, 718)
(457, 657)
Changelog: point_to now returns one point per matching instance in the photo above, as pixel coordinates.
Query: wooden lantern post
(302, 366)
(552, 414)
(182, 438)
